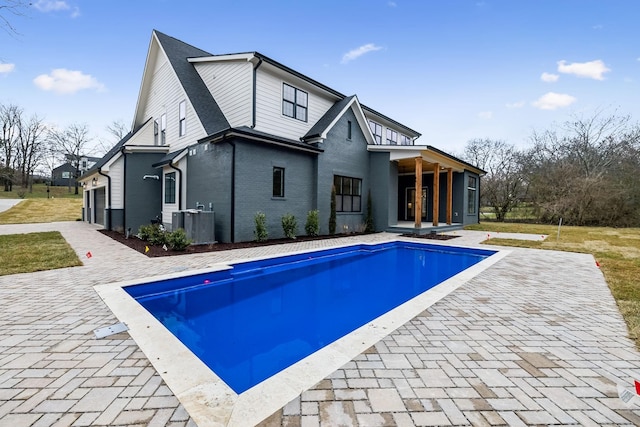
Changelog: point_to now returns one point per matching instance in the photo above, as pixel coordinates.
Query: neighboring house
(65, 174)
(242, 133)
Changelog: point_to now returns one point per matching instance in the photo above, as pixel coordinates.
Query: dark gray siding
(209, 180)
(254, 187)
(347, 158)
(458, 197)
(467, 217)
(142, 198)
(383, 186)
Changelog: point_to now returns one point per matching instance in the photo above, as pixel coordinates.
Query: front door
(410, 200)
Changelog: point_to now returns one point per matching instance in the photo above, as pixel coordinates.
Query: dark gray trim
(255, 84)
(253, 134)
(108, 196)
(172, 166)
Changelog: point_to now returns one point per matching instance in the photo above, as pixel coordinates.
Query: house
(65, 174)
(235, 134)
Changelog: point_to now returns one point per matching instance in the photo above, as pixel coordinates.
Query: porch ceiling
(405, 157)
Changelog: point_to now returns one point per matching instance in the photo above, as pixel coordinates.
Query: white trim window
(392, 137)
(163, 129)
(472, 188)
(376, 130)
(156, 131)
(295, 102)
(405, 140)
(182, 118)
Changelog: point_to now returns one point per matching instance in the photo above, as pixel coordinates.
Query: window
(471, 194)
(66, 174)
(84, 165)
(170, 187)
(156, 127)
(182, 114)
(392, 137)
(348, 193)
(405, 140)
(294, 102)
(163, 129)
(278, 182)
(348, 129)
(376, 130)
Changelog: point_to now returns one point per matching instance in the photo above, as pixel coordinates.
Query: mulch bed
(431, 236)
(157, 251)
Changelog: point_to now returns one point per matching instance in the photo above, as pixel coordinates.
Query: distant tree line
(585, 171)
(30, 147)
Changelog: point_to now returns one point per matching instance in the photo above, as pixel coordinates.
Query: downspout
(233, 189)
(255, 73)
(108, 195)
(172, 166)
(124, 190)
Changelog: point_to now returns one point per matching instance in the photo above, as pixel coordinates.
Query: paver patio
(536, 339)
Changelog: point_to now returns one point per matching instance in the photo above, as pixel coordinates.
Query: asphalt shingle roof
(328, 118)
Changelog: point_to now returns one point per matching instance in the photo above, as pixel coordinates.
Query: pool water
(257, 318)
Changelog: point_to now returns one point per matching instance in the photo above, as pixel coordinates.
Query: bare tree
(585, 171)
(10, 117)
(71, 143)
(118, 130)
(504, 184)
(31, 145)
(10, 9)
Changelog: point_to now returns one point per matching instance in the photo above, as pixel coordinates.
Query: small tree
(289, 226)
(312, 226)
(261, 232)
(369, 226)
(332, 215)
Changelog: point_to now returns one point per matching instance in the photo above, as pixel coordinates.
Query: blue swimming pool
(257, 318)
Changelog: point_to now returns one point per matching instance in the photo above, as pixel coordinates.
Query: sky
(453, 70)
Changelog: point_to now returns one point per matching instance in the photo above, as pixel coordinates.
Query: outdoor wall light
(94, 182)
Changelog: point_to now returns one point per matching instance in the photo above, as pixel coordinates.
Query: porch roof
(405, 156)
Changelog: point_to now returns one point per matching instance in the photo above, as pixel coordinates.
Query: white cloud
(358, 52)
(76, 12)
(6, 68)
(549, 78)
(486, 115)
(518, 104)
(65, 81)
(51, 5)
(392, 4)
(553, 101)
(592, 69)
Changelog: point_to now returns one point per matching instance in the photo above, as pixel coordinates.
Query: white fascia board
(107, 165)
(180, 156)
(144, 84)
(146, 148)
(362, 121)
(219, 58)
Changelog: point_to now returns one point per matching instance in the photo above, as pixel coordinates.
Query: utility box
(177, 220)
(200, 226)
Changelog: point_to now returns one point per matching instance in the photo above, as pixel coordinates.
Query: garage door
(98, 197)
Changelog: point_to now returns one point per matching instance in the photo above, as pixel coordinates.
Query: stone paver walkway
(535, 339)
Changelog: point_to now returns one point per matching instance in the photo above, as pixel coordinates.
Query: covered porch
(432, 190)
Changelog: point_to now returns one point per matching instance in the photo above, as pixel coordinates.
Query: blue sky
(452, 70)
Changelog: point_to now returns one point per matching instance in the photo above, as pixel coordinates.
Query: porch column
(436, 193)
(417, 203)
(449, 195)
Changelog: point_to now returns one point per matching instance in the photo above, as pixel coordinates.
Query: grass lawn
(25, 253)
(43, 210)
(617, 250)
(40, 192)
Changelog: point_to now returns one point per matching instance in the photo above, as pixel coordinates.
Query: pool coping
(208, 400)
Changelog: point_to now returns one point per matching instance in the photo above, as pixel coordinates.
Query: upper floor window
(348, 129)
(404, 140)
(182, 117)
(163, 129)
(472, 188)
(156, 131)
(294, 102)
(392, 137)
(376, 130)
(348, 193)
(278, 182)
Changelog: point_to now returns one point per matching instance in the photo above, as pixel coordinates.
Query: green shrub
(153, 233)
(261, 232)
(312, 226)
(332, 215)
(289, 226)
(368, 223)
(177, 240)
